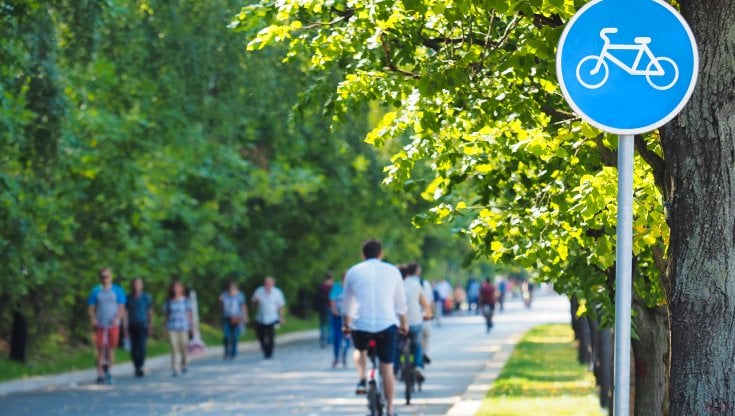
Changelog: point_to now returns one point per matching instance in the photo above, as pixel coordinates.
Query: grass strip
(543, 377)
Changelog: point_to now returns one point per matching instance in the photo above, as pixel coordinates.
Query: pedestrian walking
(487, 300)
(106, 312)
(178, 318)
(271, 305)
(459, 297)
(340, 341)
(426, 333)
(473, 295)
(139, 326)
(502, 289)
(234, 318)
(323, 308)
(443, 290)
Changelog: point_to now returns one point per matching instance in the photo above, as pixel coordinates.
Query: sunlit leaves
(469, 89)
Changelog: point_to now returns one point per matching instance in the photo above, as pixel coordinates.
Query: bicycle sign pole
(625, 96)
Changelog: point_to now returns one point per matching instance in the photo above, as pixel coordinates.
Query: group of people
(374, 301)
(112, 310)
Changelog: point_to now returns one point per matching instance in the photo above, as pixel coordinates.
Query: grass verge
(543, 377)
(56, 356)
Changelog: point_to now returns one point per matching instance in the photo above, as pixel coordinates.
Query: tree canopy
(473, 86)
(142, 136)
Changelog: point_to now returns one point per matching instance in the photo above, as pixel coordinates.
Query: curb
(75, 378)
(471, 400)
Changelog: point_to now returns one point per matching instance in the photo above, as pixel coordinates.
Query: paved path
(298, 381)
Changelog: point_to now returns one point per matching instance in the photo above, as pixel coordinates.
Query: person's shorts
(109, 337)
(385, 342)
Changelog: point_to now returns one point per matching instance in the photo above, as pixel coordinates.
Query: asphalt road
(299, 380)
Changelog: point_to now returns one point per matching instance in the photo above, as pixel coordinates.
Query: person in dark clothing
(271, 310)
(139, 308)
(487, 302)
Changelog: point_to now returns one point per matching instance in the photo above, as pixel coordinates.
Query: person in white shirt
(444, 291)
(271, 304)
(418, 309)
(426, 333)
(376, 299)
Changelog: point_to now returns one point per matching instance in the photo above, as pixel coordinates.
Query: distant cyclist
(106, 311)
(487, 302)
(375, 297)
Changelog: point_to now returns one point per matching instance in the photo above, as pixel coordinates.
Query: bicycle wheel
(586, 74)
(408, 379)
(374, 399)
(667, 76)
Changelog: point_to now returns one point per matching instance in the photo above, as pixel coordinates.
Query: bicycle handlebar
(607, 30)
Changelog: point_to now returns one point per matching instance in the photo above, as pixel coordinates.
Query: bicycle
(657, 67)
(407, 368)
(374, 384)
(487, 312)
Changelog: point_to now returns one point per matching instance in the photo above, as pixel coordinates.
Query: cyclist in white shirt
(418, 309)
(375, 296)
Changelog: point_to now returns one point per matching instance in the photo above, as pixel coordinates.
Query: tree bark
(605, 355)
(699, 147)
(585, 342)
(603, 364)
(581, 333)
(651, 351)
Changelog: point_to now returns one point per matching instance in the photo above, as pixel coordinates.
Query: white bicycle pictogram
(592, 70)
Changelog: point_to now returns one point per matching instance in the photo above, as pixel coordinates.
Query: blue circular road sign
(627, 66)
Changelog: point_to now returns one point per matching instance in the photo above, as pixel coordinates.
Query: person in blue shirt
(139, 306)
(106, 311)
(340, 341)
(234, 317)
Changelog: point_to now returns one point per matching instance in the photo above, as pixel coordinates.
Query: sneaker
(174, 374)
(426, 359)
(183, 370)
(334, 363)
(108, 379)
(361, 387)
(139, 373)
(100, 380)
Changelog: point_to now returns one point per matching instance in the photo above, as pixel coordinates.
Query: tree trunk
(19, 337)
(651, 351)
(581, 333)
(585, 342)
(699, 147)
(605, 355)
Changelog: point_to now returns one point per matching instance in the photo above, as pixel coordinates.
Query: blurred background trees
(140, 135)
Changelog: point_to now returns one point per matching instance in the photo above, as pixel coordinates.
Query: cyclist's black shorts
(385, 342)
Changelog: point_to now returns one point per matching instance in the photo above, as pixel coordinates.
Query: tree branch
(608, 157)
(343, 17)
(559, 114)
(389, 60)
(657, 163)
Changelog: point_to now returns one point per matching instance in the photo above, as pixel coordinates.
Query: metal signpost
(626, 67)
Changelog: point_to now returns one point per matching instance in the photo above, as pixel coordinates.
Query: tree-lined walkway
(298, 381)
